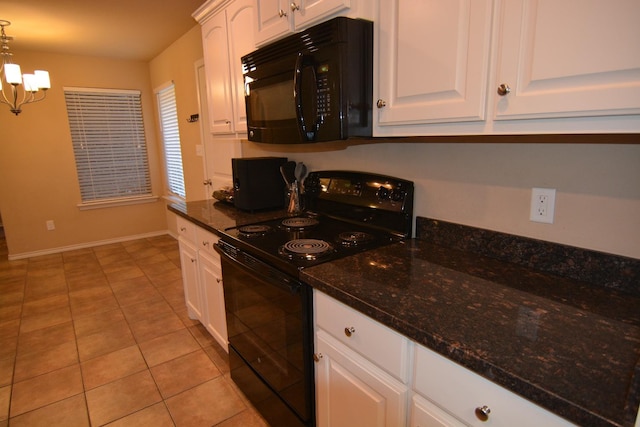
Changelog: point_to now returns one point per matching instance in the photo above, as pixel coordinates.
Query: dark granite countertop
(566, 345)
(217, 216)
(548, 334)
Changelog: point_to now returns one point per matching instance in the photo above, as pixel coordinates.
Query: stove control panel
(361, 189)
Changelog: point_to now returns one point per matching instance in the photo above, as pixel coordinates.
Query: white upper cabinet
(440, 65)
(277, 18)
(241, 42)
(216, 52)
(433, 58)
(227, 35)
(562, 58)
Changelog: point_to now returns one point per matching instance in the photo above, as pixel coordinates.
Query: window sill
(111, 203)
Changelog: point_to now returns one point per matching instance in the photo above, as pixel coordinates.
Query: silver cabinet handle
(381, 103)
(282, 13)
(504, 89)
(482, 413)
(317, 357)
(294, 6)
(349, 331)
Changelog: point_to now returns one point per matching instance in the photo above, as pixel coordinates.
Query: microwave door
(306, 97)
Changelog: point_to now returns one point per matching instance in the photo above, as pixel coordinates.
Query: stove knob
(397, 195)
(383, 193)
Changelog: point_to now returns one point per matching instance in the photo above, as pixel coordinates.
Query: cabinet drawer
(460, 391)
(186, 229)
(384, 347)
(205, 241)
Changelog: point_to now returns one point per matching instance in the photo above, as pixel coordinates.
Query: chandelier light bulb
(13, 74)
(12, 77)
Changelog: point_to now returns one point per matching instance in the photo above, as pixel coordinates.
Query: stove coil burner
(306, 249)
(254, 230)
(299, 223)
(354, 238)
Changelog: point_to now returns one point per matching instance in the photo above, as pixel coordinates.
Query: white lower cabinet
(369, 375)
(202, 279)
(353, 392)
(189, 264)
(467, 396)
(424, 413)
(210, 272)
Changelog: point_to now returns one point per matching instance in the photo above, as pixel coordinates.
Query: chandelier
(11, 78)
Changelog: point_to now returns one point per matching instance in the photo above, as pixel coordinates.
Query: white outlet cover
(543, 201)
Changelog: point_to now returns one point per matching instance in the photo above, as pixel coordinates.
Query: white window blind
(109, 144)
(171, 139)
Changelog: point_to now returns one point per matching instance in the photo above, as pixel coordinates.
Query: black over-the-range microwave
(313, 86)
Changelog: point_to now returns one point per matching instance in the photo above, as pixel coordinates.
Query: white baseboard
(23, 255)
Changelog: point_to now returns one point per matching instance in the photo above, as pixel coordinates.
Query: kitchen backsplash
(597, 268)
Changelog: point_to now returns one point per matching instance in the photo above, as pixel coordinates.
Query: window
(171, 139)
(107, 132)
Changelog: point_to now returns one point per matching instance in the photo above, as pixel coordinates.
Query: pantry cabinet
(368, 374)
(202, 279)
(498, 66)
(226, 36)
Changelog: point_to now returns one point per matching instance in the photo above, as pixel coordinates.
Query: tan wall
(38, 179)
(177, 63)
(489, 185)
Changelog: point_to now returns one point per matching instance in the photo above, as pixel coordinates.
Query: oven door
(270, 338)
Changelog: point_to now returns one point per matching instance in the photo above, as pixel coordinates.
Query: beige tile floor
(101, 336)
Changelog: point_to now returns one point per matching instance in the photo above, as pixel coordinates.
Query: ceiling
(128, 29)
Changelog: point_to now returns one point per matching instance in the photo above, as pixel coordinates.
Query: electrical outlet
(543, 201)
(51, 225)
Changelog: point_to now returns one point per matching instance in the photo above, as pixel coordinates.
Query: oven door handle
(274, 276)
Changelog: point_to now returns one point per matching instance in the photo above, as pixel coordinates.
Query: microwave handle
(308, 133)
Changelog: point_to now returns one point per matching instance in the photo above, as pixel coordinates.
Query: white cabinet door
(190, 278)
(433, 58)
(272, 20)
(460, 392)
(311, 12)
(566, 58)
(241, 42)
(216, 60)
(425, 414)
(277, 18)
(352, 392)
(211, 281)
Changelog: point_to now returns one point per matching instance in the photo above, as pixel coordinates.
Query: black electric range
(269, 311)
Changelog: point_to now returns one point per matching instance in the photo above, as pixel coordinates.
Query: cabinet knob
(503, 89)
(193, 260)
(218, 279)
(183, 228)
(294, 6)
(282, 13)
(381, 103)
(482, 413)
(204, 243)
(349, 331)
(207, 182)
